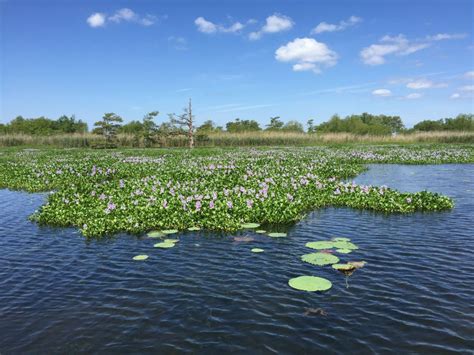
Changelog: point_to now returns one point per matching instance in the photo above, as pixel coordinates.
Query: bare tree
(185, 120)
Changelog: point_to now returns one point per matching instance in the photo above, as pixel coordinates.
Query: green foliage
(275, 124)
(108, 127)
(362, 124)
(239, 126)
(104, 192)
(43, 126)
(462, 122)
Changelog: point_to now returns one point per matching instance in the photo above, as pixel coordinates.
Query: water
(62, 294)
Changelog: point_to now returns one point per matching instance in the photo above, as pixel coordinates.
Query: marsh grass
(225, 139)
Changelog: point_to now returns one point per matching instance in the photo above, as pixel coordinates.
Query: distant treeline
(363, 124)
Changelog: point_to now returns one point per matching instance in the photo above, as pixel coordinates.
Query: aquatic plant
(277, 235)
(320, 259)
(257, 250)
(140, 257)
(164, 245)
(310, 283)
(103, 192)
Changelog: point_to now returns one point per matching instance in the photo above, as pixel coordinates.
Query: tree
(311, 126)
(275, 124)
(185, 120)
(239, 126)
(149, 128)
(293, 126)
(208, 127)
(108, 127)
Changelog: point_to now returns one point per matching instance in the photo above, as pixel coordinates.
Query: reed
(225, 139)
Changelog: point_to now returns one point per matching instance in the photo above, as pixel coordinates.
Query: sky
(255, 59)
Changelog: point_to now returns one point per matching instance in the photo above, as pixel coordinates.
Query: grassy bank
(246, 139)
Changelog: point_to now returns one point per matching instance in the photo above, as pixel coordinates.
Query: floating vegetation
(250, 225)
(194, 229)
(164, 245)
(320, 245)
(169, 231)
(257, 250)
(310, 283)
(171, 241)
(155, 234)
(277, 235)
(344, 251)
(340, 239)
(260, 231)
(349, 268)
(106, 192)
(320, 259)
(345, 245)
(140, 257)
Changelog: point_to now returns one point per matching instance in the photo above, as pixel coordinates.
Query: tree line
(148, 130)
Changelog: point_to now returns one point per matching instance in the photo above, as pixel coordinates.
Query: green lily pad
(344, 251)
(310, 283)
(260, 231)
(277, 235)
(171, 240)
(257, 250)
(320, 259)
(164, 245)
(340, 239)
(193, 229)
(155, 234)
(169, 231)
(250, 225)
(345, 245)
(140, 257)
(323, 244)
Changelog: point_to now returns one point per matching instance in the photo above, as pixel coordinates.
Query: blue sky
(246, 59)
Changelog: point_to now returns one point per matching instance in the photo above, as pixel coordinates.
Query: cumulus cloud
(96, 20)
(446, 36)
(122, 15)
(209, 27)
(399, 45)
(382, 92)
(455, 96)
(413, 96)
(273, 24)
(179, 43)
(342, 25)
(464, 92)
(307, 53)
(467, 88)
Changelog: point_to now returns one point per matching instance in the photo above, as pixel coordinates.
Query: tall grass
(224, 139)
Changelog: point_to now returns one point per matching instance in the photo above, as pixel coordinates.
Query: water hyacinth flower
(229, 205)
(165, 204)
(249, 203)
(198, 205)
(211, 204)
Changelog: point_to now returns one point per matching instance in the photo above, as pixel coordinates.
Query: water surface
(60, 293)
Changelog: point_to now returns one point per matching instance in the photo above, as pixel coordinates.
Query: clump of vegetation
(103, 192)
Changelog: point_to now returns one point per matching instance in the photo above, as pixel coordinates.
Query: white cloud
(446, 36)
(467, 88)
(308, 54)
(413, 96)
(424, 84)
(121, 15)
(455, 96)
(469, 75)
(399, 45)
(382, 92)
(96, 20)
(205, 26)
(209, 27)
(342, 25)
(273, 24)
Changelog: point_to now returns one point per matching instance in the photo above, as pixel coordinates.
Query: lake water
(60, 293)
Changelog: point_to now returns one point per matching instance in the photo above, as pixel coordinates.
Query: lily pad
(169, 231)
(345, 245)
(310, 283)
(277, 235)
(140, 257)
(343, 267)
(171, 240)
(320, 259)
(257, 250)
(250, 225)
(155, 234)
(344, 251)
(340, 239)
(193, 229)
(260, 231)
(164, 245)
(323, 244)
(357, 264)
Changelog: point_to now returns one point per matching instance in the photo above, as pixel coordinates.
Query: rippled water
(62, 294)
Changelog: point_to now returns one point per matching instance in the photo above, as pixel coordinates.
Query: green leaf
(310, 283)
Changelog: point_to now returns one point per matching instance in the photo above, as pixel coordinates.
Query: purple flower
(198, 205)
(249, 203)
(102, 197)
(122, 184)
(111, 206)
(165, 204)
(290, 197)
(211, 204)
(229, 204)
